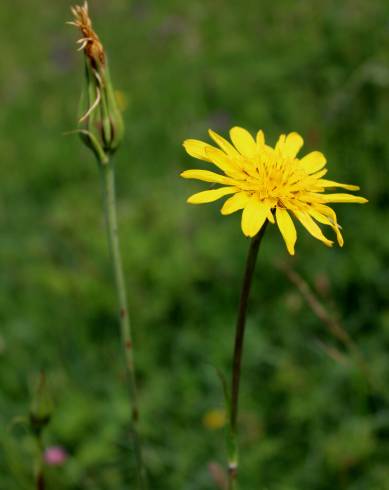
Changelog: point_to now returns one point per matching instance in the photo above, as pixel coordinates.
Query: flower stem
(238, 349)
(39, 472)
(108, 178)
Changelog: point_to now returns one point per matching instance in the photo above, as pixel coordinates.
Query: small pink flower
(55, 455)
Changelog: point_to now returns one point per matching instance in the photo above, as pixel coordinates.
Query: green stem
(39, 472)
(238, 350)
(108, 178)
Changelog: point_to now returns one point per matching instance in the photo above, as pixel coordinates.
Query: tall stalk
(237, 360)
(101, 129)
(40, 413)
(108, 180)
(39, 471)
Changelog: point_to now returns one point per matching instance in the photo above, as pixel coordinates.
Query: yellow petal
(223, 143)
(270, 216)
(207, 176)
(243, 141)
(287, 229)
(197, 149)
(321, 218)
(292, 145)
(339, 235)
(318, 175)
(312, 227)
(331, 183)
(224, 162)
(342, 198)
(210, 196)
(313, 162)
(234, 203)
(327, 211)
(254, 216)
(281, 142)
(260, 138)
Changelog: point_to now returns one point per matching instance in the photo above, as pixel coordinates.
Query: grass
(308, 421)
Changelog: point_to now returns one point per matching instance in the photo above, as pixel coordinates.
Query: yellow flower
(214, 419)
(269, 183)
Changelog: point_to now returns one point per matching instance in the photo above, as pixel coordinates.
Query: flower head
(269, 183)
(214, 419)
(55, 456)
(102, 122)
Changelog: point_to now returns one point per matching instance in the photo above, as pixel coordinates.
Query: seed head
(102, 124)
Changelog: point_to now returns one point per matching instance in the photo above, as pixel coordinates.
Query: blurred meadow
(314, 413)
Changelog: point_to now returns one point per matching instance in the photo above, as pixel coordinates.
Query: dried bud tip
(102, 124)
(90, 41)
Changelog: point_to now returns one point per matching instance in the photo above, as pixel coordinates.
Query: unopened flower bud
(41, 406)
(102, 123)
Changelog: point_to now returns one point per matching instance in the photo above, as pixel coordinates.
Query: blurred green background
(309, 417)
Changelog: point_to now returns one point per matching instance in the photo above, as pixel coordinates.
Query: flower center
(271, 176)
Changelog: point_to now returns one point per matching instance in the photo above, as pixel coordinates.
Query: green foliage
(309, 420)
